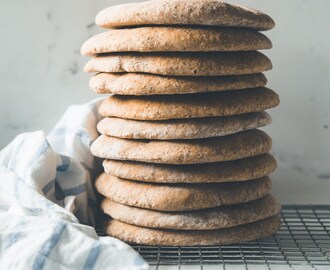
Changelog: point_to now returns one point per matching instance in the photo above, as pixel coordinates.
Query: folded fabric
(47, 200)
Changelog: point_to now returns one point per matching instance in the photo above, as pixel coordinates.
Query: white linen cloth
(47, 200)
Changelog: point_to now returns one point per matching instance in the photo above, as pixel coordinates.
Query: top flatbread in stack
(183, 12)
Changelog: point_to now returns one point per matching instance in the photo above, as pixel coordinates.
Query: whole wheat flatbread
(195, 128)
(240, 145)
(158, 237)
(182, 64)
(206, 219)
(180, 197)
(226, 171)
(189, 106)
(175, 39)
(183, 12)
(138, 84)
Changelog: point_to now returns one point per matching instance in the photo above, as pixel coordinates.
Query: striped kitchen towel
(47, 202)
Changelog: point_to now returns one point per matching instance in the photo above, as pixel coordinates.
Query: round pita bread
(139, 84)
(195, 128)
(206, 219)
(189, 106)
(180, 197)
(240, 145)
(226, 171)
(175, 39)
(157, 237)
(182, 64)
(183, 12)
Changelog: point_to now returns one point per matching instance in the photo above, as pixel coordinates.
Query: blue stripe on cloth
(65, 164)
(75, 190)
(48, 246)
(85, 137)
(92, 256)
(12, 238)
(35, 211)
(48, 187)
(58, 192)
(41, 150)
(16, 191)
(89, 170)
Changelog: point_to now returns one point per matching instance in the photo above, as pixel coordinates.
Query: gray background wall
(41, 74)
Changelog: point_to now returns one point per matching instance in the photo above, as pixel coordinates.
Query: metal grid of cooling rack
(302, 243)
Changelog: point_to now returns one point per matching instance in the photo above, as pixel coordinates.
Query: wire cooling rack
(302, 243)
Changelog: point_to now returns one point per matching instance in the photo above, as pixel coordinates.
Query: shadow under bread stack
(184, 161)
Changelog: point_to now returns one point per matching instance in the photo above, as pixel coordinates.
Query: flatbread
(195, 128)
(240, 145)
(183, 12)
(158, 237)
(138, 84)
(189, 106)
(182, 64)
(180, 197)
(206, 219)
(175, 39)
(227, 171)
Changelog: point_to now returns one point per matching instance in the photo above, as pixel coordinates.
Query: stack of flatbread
(185, 163)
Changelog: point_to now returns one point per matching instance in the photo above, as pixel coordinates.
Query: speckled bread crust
(182, 64)
(240, 145)
(195, 128)
(226, 171)
(189, 106)
(183, 12)
(158, 237)
(206, 219)
(138, 84)
(175, 39)
(180, 197)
